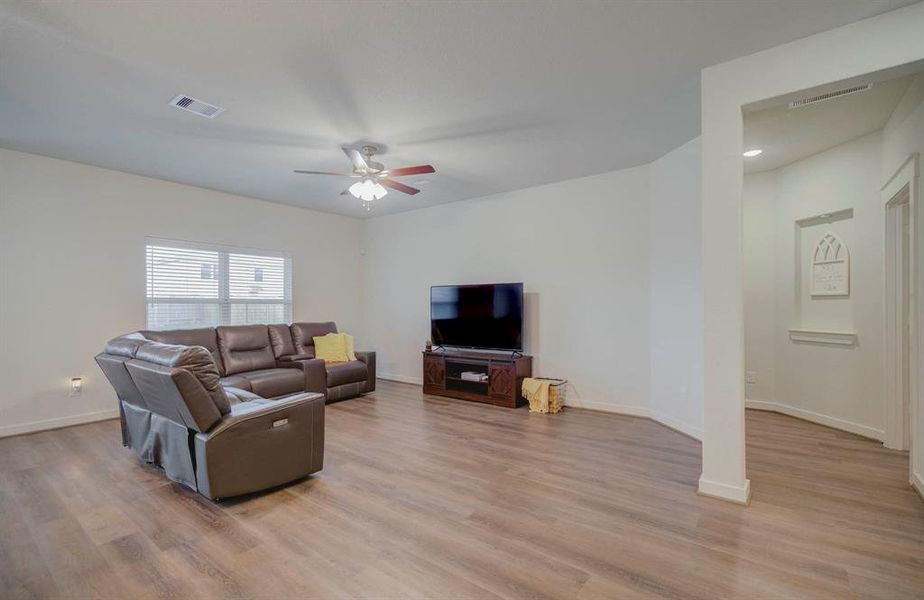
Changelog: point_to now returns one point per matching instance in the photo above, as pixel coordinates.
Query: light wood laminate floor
(437, 498)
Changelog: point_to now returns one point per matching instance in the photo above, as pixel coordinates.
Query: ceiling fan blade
(418, 170)
(325, 173)
(346, 192)
(398, 186)
(356, 158)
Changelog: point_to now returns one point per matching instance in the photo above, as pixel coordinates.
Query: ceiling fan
(373, 176)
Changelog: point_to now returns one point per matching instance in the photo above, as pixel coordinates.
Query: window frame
(222, 276)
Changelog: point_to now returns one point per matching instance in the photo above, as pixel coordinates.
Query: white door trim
(900, 189)
(893, 320)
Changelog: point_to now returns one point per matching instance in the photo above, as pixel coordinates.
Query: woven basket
(557, 394)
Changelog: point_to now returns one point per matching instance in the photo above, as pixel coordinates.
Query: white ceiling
(786, 135)
(497, 95)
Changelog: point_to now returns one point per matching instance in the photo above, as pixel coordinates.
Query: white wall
(889, 40)
(72, 272)
(835, 385)
(676, 331)
(760, 218)
(904, 132)
(580, 247)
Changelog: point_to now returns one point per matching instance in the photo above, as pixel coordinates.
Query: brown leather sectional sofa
(261, 359)
(230, 410)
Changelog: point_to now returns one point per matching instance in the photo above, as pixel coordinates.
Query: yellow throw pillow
(351, 355)
(331, 348)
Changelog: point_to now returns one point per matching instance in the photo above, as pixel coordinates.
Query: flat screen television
(484, 316)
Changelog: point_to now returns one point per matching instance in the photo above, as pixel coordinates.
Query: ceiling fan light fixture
(357, 188)
(371, 175)
(368, 190)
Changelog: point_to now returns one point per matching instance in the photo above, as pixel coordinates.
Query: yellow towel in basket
(537, 392)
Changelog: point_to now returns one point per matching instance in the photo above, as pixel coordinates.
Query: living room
(559, 147)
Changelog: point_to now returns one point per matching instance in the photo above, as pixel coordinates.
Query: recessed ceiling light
(752, 153)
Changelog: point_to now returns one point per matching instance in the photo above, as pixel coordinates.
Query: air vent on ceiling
(203, 109)
(829, 95)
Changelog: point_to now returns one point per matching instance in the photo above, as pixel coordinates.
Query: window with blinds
(203, 286)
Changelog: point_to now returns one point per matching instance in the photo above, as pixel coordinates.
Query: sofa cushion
(302, 334)
(237, 395)
(245, 348)
(347, 372)
(236, 381)
(195, 359)
(271, 383)
(281, 340)
(205, 337)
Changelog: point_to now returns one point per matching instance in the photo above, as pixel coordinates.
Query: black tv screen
(487, 316)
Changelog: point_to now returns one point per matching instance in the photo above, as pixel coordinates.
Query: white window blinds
(195, 285)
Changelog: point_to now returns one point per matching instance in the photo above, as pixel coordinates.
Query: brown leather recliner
(295, 344)
(219, 441)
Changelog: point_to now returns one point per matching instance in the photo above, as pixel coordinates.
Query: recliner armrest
(292, 361)
(315, 375)
(261, 445)
(368, 357)
(365, 356)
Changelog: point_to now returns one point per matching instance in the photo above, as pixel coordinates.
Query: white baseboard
(723, 491)
(400, 378)
(917, 482)
(619, 409)
(678, 425)
(801, 413)
(641, 411)
(36, 426)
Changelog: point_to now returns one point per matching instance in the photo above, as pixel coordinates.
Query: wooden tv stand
(442, 376)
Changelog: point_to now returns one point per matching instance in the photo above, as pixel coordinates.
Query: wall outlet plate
(750, 377)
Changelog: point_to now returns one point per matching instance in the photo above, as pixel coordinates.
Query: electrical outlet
(76, 386)
(750, 377)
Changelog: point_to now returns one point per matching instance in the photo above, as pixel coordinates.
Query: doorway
(829, 274)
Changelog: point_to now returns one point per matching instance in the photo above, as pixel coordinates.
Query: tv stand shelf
(442, 376)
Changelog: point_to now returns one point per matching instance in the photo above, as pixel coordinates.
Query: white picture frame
(830, 267)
